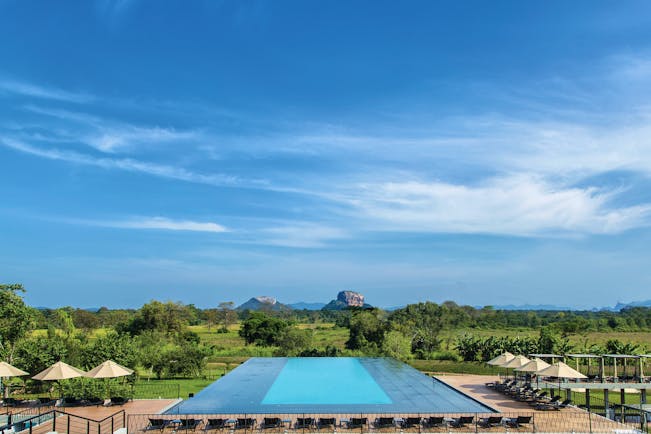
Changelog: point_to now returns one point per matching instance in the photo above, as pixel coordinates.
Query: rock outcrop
(351, 298)
(347, 300)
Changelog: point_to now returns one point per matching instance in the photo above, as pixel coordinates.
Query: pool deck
(475, 387)
(137, 406)
(571, 419)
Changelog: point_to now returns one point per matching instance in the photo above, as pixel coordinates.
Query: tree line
(157, 337)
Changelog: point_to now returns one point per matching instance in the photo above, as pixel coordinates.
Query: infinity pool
(327, 385)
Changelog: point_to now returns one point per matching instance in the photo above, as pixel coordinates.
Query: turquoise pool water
(325, 381)
(340, 385)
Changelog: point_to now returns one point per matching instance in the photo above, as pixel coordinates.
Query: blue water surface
(327, 385)
(325, 380)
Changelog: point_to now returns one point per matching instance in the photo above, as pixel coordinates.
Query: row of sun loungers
(65, 402)
(41, 401)
(538, 399)
(331, 423)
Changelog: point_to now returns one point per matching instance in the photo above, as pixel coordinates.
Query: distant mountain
(345, 300)
(301, 305)
(619, 306)
(528, 307)
(263, 303)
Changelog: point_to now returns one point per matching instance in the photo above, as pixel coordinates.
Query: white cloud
(32, 90)
(302, 235)
(160, 223)
(126, 164)
(118, 138)
(108, 135)
(515, 205)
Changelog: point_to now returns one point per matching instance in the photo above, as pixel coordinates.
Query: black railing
(156, 391)
(60, 421)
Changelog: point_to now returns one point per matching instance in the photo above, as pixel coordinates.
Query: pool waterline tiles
(392, 386)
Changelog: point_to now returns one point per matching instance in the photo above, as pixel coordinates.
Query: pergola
(553, 357)
(588, 357)
(625, 357)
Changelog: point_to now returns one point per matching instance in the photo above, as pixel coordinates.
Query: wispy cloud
(516, 205)
(108, 135)
(127, 164)
(37, 91)
(157, 223)
(302, 235)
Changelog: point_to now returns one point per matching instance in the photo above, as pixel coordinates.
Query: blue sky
(483, 152)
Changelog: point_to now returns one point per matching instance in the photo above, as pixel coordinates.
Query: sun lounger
(553, 405)
(434, 421)
(460, 422)
(385, 422)
(71, 402)
(326, 422)
(491, 421)
(271, 422)
(304, 423)
(245, 423)
(46, 401)
(518, 421)
(94, 401)
(411, 422)
(118, 400)
(215, 424)
(189, 424)
(357, 422)
(157, 424)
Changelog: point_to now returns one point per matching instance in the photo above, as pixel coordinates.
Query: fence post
(68, 424)
(178, 390)
(54, 421)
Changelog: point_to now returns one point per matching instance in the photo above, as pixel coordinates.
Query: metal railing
(156, 391)
(60, 421)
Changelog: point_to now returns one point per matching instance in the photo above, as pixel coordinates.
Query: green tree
(84, 319)
(121, 348)
(226, 315)
(262, 329)
(16, 319)
(36, 354)
(65, 323)
(169, 318)
(366, 331)
(294, 342)
(423, 323)
(397, 345)
(184, 361)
